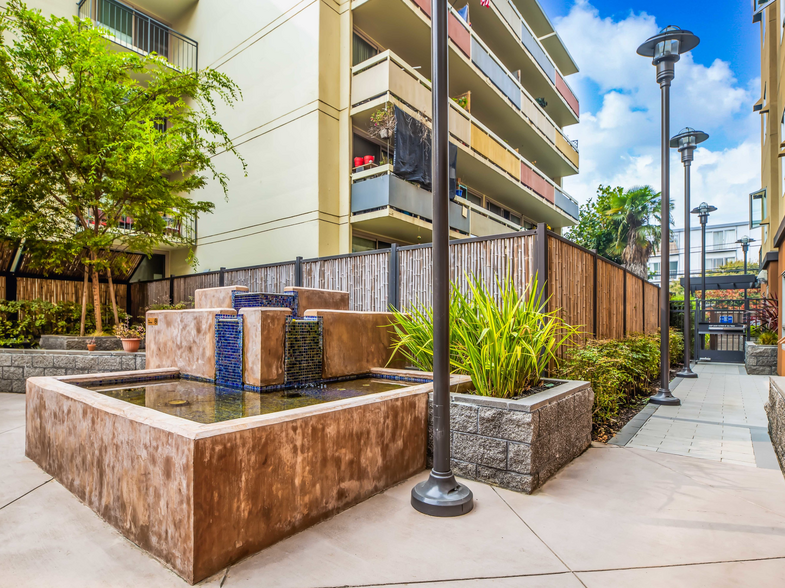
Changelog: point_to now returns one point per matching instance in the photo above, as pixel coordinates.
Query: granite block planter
(760, 360)
(518, 444)
(775, 411)
(76, 343)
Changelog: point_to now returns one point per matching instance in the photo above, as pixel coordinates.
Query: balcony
(503, 28)
(181, 232)
(384, 204)
(136, 31)
(485, 161)
(497, 97)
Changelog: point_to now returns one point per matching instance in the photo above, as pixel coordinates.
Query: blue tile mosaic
(304, 350)
(265, 300)
(229, 350)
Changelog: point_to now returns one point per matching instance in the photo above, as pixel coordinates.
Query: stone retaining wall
(760, 360)
(73, 342)
(775, 410)
(518, 444)
(16, 365)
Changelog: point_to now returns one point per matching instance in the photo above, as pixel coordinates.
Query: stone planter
(518, 444)
(760, 360)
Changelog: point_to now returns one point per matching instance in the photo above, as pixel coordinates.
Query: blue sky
(714, 90)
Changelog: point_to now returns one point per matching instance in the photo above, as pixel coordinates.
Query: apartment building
(316, 73)
(721, 248)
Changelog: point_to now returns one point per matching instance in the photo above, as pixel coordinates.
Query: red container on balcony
(358, 161)
(369, 159)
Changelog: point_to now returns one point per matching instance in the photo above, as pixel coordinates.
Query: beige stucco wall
(355, 342)
(264, 342)
(216, 297)
(316, 298)
(183, 339)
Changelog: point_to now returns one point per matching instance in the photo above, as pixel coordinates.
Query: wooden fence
(586, 290)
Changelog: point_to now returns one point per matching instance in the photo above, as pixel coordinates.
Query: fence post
(392, 279)
(624, 306)
(222, 277)
(541, 260)
(298, 272)
(171, 288)
(594, 299)
(643, 305)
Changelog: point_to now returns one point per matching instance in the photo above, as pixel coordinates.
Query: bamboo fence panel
(635, 304)
(652, 299)
(184, 287)
(271, 278)
(610, 293)
(138, 292)
(57, 291)
(365, 277)
(491, 260)
(158, 293)
(571, 287)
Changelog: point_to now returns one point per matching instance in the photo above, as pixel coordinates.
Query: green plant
(755, 331)
(462, 101)
(382, 122)
(619, 369)
(127, 331)
(506, 346)
(22, 322)
(768, 338)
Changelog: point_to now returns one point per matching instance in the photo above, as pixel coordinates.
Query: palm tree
(637, 235)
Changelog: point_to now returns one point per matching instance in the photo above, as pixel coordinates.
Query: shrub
(506, 346)
(40, 317)
(768, 338)
(619, 369)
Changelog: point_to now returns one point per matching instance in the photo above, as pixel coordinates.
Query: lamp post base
(442, 496)
(664, 398)
(686, 373)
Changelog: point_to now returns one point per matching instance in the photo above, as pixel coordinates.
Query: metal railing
(137, 31)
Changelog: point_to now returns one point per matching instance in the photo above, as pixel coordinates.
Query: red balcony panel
(458, 33)
(537, 183)
(567, 94)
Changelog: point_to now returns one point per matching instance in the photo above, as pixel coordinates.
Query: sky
(713, 91)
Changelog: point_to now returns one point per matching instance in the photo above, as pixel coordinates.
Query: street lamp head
(668, 44)
(688, 138)
(703, 210)
(745, 240)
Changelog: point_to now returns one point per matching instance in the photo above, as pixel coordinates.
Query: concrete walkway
(615, 517)
(721, 418)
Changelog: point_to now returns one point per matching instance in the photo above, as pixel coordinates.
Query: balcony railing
(177, 230)
(376, 77)
(138, 32)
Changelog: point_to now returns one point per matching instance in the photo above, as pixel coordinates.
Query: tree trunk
(112, 297)
(99, 326)
(639, 269)
(84, 305)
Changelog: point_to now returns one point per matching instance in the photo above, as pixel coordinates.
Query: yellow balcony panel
(567, 149)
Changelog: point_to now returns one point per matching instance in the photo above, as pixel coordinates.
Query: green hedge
(619, 369)
(22, 322)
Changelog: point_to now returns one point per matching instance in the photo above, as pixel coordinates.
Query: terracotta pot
(91, 346)
(131, 345)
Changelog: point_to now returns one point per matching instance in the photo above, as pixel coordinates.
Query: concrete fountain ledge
(199, 497)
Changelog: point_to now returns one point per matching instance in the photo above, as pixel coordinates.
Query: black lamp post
(441, 495)
(745, 247)
(686, 142)
(703, 211)
(665, 48)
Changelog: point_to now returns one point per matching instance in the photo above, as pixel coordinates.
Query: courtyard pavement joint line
(635, 424)
(26, 493)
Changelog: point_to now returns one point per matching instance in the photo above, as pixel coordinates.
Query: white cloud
(619, 141)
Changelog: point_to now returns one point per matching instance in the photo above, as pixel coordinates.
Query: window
(723, 237)
(368, 243)
(362, 49)
(117, 18)
(655, 268)
(758, 212)
(674, 267)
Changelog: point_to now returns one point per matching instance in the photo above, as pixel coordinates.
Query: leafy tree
(636, 236)
(595, 229)
(99, 149)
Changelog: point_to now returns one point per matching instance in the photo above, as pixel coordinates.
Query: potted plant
(382, 123)
(131, 336)
(91, 343)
